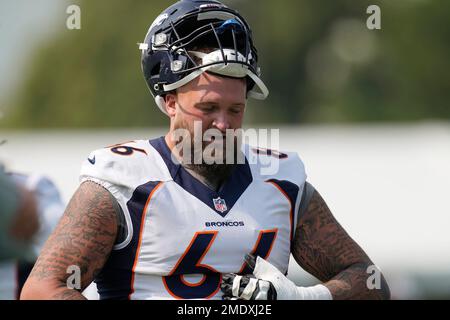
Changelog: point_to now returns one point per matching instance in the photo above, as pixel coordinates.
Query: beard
(207, 158)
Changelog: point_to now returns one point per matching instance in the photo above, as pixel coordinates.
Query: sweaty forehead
(210, 87)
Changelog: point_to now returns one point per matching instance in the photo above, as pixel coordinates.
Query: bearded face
(206, 118)
(210, 153)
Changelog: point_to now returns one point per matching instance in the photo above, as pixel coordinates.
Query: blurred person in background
(43, 209)
(18, 219)
(145, 224)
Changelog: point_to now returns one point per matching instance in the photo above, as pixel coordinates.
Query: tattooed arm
(84, 237)
(323, 248)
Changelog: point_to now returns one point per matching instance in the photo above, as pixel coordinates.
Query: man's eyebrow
(239, 104)
(215, 104)
(205, 103)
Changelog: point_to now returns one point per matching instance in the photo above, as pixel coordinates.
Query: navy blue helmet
(196, 36)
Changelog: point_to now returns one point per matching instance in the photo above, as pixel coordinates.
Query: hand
(247, 287)
(268, 283)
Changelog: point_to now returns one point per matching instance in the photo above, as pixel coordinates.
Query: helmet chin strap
(161, 103)
(229, 69)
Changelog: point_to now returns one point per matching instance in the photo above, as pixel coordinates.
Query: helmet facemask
(214, 41)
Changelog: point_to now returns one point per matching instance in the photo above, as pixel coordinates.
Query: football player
(49, 209)
(147, 223)
(18, 219)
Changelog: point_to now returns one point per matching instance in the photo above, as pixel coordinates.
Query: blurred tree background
(320, 61)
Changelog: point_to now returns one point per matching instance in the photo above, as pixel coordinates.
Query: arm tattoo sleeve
(324, 249)
(84, 237)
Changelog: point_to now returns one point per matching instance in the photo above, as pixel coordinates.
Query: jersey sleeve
(293, 170)
(286, 169)
(121, 170)
(115, 168)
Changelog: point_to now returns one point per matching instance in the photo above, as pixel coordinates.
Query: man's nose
(222, 123)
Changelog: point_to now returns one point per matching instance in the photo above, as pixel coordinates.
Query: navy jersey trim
(291, 191)
(23, 270)
(230, 192)
(115, 281)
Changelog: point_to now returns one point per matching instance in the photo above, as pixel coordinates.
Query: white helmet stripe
(182, 82)
(230, 69)
(262, 87)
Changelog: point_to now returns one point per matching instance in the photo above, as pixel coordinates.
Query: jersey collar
(225, 197)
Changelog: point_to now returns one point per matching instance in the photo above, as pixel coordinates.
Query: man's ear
(170, 100)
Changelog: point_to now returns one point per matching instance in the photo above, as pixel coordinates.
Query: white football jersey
(182, 236)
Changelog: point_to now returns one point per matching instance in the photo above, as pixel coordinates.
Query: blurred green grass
(319, 60)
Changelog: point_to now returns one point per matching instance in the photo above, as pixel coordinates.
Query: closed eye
(206, 108)
(237, 109)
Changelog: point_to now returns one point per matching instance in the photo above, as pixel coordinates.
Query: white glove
(236, 287)
(285, 288)
(268, 283)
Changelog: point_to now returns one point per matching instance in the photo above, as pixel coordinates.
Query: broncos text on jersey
(182, 236)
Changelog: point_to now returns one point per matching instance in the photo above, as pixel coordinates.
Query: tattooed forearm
(68, 294)
(352, 284)
(84, 238)
(323, 248)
